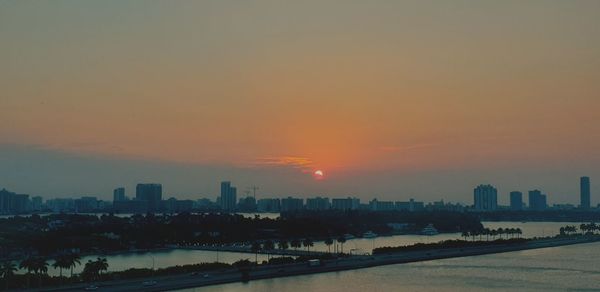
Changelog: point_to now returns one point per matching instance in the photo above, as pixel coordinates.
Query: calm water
(568, 268)
(181, 257)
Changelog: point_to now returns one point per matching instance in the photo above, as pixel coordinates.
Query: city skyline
(409, 98)
(485, 198)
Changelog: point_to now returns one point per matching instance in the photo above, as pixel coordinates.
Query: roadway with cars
(182, 281)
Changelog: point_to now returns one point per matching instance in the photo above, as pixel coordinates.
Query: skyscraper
(537, 200)
(119, 194)
(228, 197)
(485, 198)
(151, 193)
(516, 201)
(584, 184)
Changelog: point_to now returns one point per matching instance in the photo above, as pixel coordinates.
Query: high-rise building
(20, 203)
(119, 195)
(317, 203)
(537, 200)
(291, 204)
(376, 205)
(485, 198)
(345, 204)
(6, 198)
(86, 204)
(411, 206)
(584, 184)
(269, 205)
(516, 200)
(36, 203)
(151, 193)
(228, 199)
(247, 204)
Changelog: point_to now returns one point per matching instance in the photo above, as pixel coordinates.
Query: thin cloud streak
(285, 161)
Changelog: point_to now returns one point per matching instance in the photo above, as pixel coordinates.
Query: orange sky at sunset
(356, 92)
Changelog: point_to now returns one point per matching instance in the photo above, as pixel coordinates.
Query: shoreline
(184, 281)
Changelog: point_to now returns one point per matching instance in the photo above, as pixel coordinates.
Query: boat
(369, 234)
(429, 230)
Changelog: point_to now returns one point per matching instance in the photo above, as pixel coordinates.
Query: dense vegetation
(546, 215)
(95, 271)
(53, 234)
(447, 244)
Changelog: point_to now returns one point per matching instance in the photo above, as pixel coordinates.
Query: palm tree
(41, 269)
(256, 246)
(295, 243)
(61, 262)
(283, 244)
(494, 233)
(519, 232)
(593, 227)
(500, 232)
(102, 264)
(465, 235)
(73, 260)
(28, 264)
(328, 242)
(341, 240)
(90, 270)
(487, 233)
(7, 270)
(308, 243)
(583, 227)
(269, 245)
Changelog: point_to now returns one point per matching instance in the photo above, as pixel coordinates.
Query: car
(91, 288)
(149, 283)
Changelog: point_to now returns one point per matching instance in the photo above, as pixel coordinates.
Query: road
(353, 262)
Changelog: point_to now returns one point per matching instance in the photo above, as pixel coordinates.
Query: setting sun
(318, 174)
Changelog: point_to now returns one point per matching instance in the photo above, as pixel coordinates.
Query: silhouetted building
(537, 200)
(61, 205)
(291, 204)
(485, 198)
(345, 204)
(173, 205)
(119, 194)
(151, 193)
(376, 205)
(6, 198)
(131, 206)
(585, 192)
(86, 204)
(410, 206)
(36, 203)
(247, 204)
(516, 200)
(317, 203)
(228, 199)
(269, 205)
(11, 203)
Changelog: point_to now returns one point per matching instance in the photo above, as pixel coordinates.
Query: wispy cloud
(288, 161)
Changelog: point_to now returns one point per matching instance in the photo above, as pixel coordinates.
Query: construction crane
(254, 189)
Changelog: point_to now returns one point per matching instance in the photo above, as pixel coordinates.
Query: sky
(389, 99)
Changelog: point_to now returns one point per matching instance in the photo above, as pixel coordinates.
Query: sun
(319, 174)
